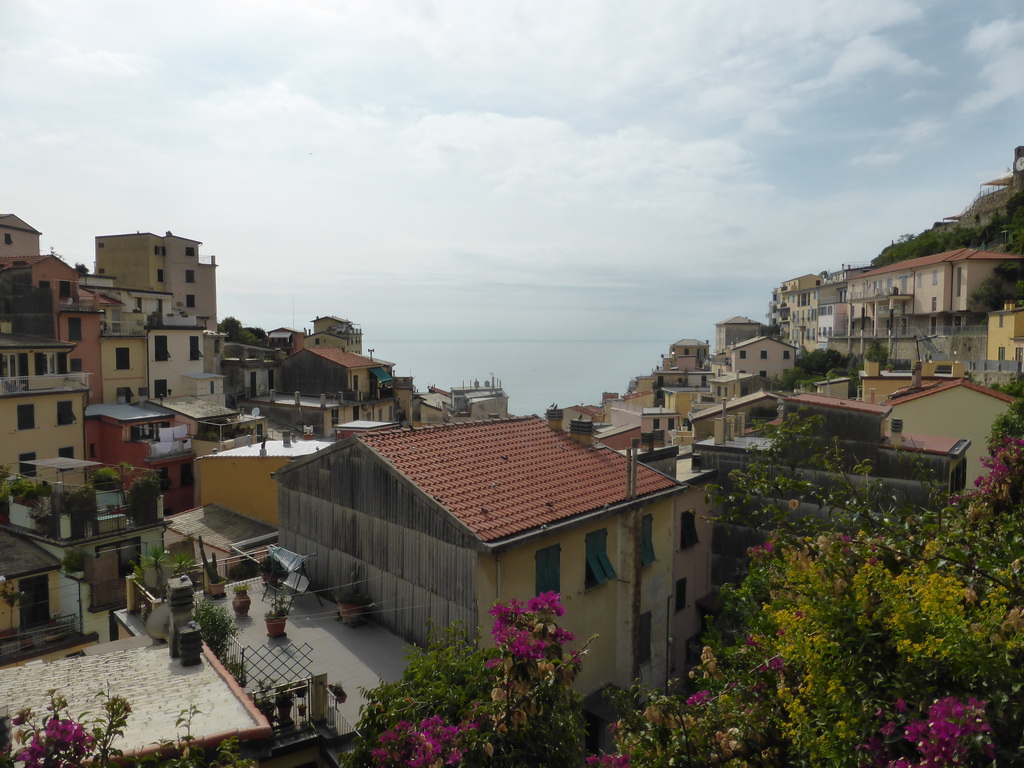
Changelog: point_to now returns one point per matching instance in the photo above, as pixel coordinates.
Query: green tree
(236, 332)
(891, 632)
(877, 352)
(512, 705)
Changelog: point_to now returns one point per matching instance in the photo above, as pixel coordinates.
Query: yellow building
(336, 333)
(796, 307)
(242, 478)
(877, 385)
(42, 403)
(1006, 333)
(441, 522)
(38, 605)
(955, 408)
(168, 264)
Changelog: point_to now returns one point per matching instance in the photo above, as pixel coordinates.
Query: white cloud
(998, 46)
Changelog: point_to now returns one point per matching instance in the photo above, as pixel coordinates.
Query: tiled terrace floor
(356, 657)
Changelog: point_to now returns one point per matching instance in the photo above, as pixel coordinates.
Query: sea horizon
(535, 373)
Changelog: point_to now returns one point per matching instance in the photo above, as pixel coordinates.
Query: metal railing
(35, 640)
(14, 385)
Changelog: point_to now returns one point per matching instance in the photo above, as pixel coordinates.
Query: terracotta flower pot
(241, 603)
(275, 627)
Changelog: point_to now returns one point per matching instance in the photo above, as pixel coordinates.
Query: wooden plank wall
(358, 517)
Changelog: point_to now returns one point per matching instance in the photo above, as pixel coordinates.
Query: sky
(505, 170)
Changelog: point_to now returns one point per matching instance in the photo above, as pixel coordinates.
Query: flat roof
(274, 448)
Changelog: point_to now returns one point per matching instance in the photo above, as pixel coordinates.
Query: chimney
(582, 431)
(719, 431)
(741, 424)
(871, 395)
(915, 378)
(263, 448)
(185, 640)
(896, 432)
(554, 417)
(287, 437)
(298, 397)
(323, 400)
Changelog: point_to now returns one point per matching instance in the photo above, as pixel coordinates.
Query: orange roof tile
(912, 393)
(839, 402)
(501, 478)
(340, 356)
(963, 254)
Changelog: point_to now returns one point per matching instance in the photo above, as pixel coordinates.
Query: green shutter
(599, 567)
(548, 576)
(647, 539)
(688, 535)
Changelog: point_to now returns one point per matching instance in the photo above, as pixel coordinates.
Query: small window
(27, 416)
(190, 250)
(785, 354)
(680, 594)
(160, 349)
(74, 329)
(647, 539)
(688, 530)
(190, 300)
(66, 453)
(1002, 353)
(598, 567)
(159, 275)
(165, 478)
(186, 474)
(193, 348)
(764, 354)
(743, 354)
(156, 250)
(65, 289)
(935, 304)
(547, 571)
(76, 365)
(643, 650)
(160, 388)
(122, 358)
(8, 240)
(65, 412)
(216, 346)
(190, 274)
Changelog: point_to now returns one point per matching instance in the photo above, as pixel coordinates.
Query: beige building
(767, 357)
(955, 408)
(168, 264)
(17, 238)
(733, 331)
(336, 333)
(1006, 333)
(795, 310)
(929, 296)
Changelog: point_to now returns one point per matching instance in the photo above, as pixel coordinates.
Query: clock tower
(1018, 161)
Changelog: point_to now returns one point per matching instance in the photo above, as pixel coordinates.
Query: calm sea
(534, 374)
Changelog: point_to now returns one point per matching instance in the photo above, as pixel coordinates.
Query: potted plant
(277, 616)
(155, 566)
(215, 584)
(263, 700)
(241, 601)
(338, 692)
(105, 479)
(352, 603)
(272, 570)
(73, 563)
(284, 700)
(181, 563)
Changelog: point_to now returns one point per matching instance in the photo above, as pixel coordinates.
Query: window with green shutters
(688, 530)
(548, 569)
(647, 539)
(160, 348)
(599, 567)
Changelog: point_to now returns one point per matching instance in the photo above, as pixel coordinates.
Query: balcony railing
(53, 382)
(66, 514)
(36, 640)
(166, 448)
(133, 327)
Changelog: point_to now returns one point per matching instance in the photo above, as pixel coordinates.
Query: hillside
(994, 222)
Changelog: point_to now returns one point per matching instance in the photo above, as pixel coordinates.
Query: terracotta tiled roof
(928, 444)
(586, 410)
(634, 395)
(840, 402)
(963, 254)
(341, 357)
(913, 393)
(501, 478)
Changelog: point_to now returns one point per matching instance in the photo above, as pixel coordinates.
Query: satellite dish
(255, 412)
(158, 625)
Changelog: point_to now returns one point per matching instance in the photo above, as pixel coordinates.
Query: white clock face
(1020, 163)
